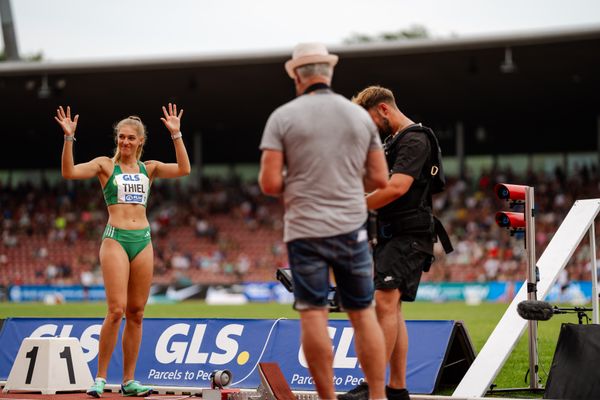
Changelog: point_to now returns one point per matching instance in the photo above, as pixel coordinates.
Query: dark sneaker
(361, 392)
(134, 388)
(396, 394)
(97, 388)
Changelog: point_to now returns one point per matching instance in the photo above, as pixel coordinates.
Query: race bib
(132, 188)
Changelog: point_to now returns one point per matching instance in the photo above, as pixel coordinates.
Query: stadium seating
(228, 232)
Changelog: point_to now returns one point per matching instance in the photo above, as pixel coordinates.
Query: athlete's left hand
(172, 120)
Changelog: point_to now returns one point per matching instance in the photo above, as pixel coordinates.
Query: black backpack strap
(442, 235)
(391, 141)
(439, 231)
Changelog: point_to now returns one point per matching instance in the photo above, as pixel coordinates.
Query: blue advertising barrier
(184, 352)
(260, 292)
(575, 291)
(22, 293)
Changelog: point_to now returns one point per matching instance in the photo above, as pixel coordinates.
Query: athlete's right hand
(64, 120)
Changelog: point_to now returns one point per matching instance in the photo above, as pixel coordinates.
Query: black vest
(412, 213)
(415, 195)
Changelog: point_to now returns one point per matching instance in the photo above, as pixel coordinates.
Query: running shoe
(97, 388)
(134, 388)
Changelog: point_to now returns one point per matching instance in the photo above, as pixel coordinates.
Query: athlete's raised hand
(67, 124)
(172, 120)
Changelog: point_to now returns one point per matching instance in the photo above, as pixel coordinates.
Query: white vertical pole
(531, 284)
(594, 268)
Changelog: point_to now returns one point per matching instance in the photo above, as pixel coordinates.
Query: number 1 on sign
(66, 354)
(32, 355)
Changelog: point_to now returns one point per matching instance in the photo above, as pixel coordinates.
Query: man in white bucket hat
(322, 152)
(309, 53)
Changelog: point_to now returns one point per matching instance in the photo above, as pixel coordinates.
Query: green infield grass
(479, 320)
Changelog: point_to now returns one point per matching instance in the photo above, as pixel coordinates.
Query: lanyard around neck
(317, 86)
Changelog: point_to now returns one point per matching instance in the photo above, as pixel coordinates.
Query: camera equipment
(516, 196)
(514, 193)
(511, 220)
(284, 276)
(536, 310)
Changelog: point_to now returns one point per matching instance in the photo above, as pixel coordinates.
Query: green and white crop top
(127, 188)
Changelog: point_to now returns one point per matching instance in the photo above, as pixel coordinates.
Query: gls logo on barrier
(167, 350)
(341, 359)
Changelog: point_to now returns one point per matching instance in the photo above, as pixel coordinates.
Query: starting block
(273, 384)
(49, 365)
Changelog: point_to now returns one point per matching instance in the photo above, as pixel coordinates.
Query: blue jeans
(350, 259)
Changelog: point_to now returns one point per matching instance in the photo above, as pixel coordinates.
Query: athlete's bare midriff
(127, 216)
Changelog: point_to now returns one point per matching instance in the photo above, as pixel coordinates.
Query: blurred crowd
(226, 231)
(483, 251)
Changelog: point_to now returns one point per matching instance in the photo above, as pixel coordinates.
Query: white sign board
(49, 365)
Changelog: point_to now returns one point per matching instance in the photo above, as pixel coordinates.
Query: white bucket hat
(309, 53)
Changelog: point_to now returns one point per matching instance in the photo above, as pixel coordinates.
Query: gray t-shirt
(325, 139)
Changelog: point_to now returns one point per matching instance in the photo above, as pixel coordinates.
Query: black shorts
(399, 264)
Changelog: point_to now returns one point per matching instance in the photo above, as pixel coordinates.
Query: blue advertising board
(184, 352)
(260, 292)
(22, 293)
(499, 291)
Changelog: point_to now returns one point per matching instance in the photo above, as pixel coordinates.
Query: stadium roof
(517, 93)
(350, 50)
